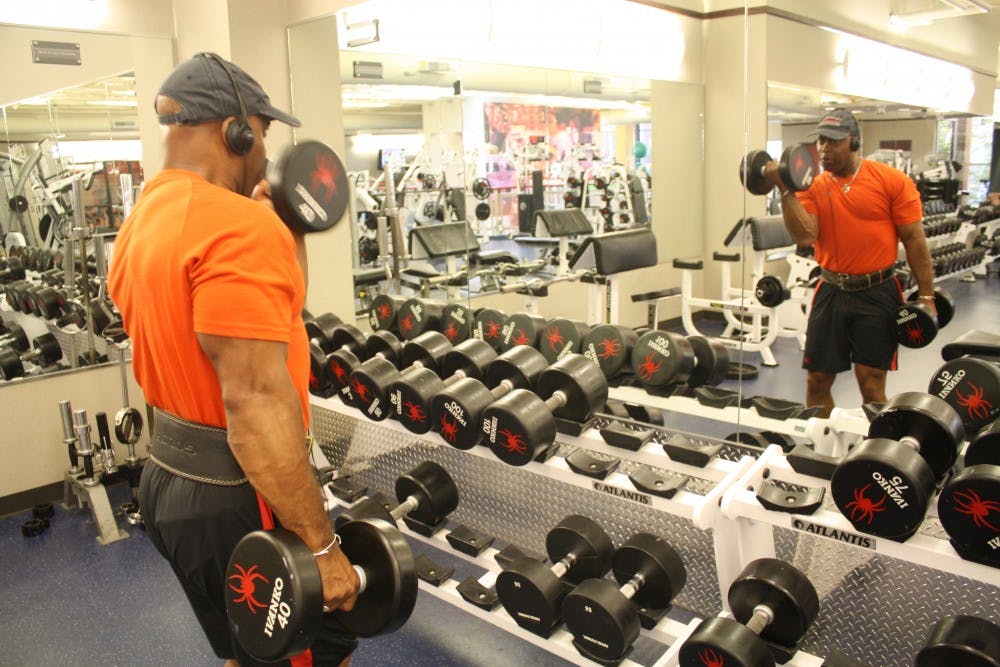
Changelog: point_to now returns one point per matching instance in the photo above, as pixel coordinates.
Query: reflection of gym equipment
(447, 240)
(750, 325)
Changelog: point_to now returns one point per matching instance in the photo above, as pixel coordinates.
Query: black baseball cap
(836, 125)
(205, 92)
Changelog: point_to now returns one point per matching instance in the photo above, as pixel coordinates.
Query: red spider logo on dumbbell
(521, 338)
(710, 658)
(513, 442)
(325, 176)
(493, 330)
(360, 390)
(915, 335)
(648, 368)
(339, 371)
(451, 333)
(863, 506)
(449, 429)
(246, 586)
(554, 337)
(609, 348)
(414, 412)
(384, 311)
(977, 406)
(406, 324)
(968, 502)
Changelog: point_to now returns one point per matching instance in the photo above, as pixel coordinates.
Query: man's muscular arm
(267, 437)
(802, 225)
(918, 256)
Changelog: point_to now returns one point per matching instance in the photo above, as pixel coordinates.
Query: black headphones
(239, 135)
(855, 142)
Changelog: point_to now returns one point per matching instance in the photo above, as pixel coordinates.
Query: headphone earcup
(855, 143)
(240, 136)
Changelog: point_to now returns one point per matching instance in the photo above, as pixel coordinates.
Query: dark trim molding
(25, 500)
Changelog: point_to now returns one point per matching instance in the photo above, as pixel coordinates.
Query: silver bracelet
(926, 297)
(325, 550)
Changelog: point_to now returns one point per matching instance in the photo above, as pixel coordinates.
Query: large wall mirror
(71, 163)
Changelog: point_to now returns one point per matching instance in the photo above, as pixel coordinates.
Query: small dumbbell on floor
(605, 620)
(883, 486)
(522, 425)
(47, 351)
(916, 326)
(457, 411)
(532, 592)
(771, 601)
(427, 494)
(276, 607)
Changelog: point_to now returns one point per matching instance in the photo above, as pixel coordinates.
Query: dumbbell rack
(712, 521)
(668, 631)
(73, 340)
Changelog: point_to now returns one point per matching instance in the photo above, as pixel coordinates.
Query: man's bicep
(910, 232)
(244, 364)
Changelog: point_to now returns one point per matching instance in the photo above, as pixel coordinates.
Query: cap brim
(276, 114)
(831, 133)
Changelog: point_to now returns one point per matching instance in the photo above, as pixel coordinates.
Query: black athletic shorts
(858, 327)
(195, 527)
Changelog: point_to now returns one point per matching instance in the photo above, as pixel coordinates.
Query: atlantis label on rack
(640, 498)
(864, 541)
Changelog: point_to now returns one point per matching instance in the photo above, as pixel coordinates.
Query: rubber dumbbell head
(603, 619)
(969, 511)
(321, 328)
(916, 326)
(456, 411)
(371, 381)
(417, 316)
(456, 322)
(562, 337)
(883, 486)
(488, 326)
(340, 363)
(522, 329)
(521, 425)
(532, 592)
(47, 351)
(410, 396)
(771, 291)
(309, 187)
(382, 313)
(971, 386)
(275, 596)
(426, 494)
(752, 172)
(965, 641)
(771, 601)
(15, 337)
(610, 346)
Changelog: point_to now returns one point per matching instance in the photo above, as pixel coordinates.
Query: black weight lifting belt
(852, 282)
(194, 451)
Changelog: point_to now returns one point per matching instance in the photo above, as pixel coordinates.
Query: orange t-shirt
(194, 257)
(857, 229)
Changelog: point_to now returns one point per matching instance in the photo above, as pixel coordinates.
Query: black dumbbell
(961, 641)
(46, 352)
(382, 312)
(276, 606)
(969, 511)
(664, 358)
(522, 424)
(797, 169)
(771, 601)
(985, 446)
(562, 337)
(457, 411)
(15, 337)
(604, 619)
(321, 330)
(972, 387)
(610, 347)
(883, 486)
(47, 302)
(532, 592)
(416, 316)
(370, 381)
(771, 291)
(522, 329)
(347, 358)
(309, 187)
(488, 325)
(427, 495)
(456, 322)
(410, 396)
(324, 346)
(14, 270)
(916, 326)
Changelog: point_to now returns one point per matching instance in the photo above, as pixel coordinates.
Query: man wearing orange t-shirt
(210, 284)
(855, 214)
